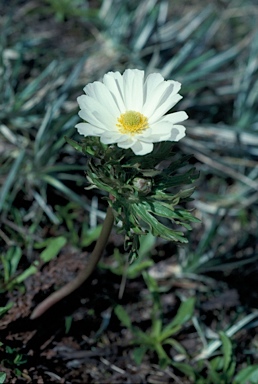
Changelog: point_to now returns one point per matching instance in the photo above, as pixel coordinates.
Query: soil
(80, 340)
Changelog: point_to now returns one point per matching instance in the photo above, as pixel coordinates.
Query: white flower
(130, 111)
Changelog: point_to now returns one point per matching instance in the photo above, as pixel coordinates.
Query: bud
(143, 186)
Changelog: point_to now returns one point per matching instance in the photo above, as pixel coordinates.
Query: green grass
(49, 51)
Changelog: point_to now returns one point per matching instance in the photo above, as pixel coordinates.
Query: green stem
(84, 274)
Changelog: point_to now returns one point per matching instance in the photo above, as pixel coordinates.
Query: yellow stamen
(132, 122)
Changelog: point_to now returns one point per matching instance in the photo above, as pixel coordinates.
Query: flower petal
(95, 113)
(114, 82)
(126, 143)
(164, 107)
(163, 95)
(165, 129)
(151, 82)
(141, 148)
(86, 129)
(176, 117)
(108, 137)
(133, 89)
(100, 92)
(159, 131)
(177, 133)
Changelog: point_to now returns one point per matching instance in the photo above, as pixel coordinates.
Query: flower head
(128, 110)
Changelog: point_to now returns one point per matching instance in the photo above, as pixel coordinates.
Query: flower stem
(84, 274)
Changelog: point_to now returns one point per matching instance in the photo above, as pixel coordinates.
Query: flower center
(132, 122)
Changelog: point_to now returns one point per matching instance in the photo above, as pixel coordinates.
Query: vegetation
(180, 313)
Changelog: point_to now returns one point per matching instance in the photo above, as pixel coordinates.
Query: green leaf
(138, 354)
(150, 282)
(186, 369)
(156, 228)
(10, 261)
(2, 377)
(5, 309)
(74, 144)
(11, 178)
(174, 198)
(24, 275)
(184, 313)
(136, 268)
(123, 316)
(175, 344)
(163, 357)
(164, 362)
(142, 337)
(248, 375)
(53, 248)
(90, 235)
(227, 350)
(68, 323)
(167, 210)
(214, 376)
(168, 331)
(166, 181)
(147, 243)
(231, 369)
(54, 245)
(216, 364)
(156, 328)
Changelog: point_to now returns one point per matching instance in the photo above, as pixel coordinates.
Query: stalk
(93, 260)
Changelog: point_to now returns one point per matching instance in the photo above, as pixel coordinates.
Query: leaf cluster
(145, 192)
(160, 334)
(32, 135)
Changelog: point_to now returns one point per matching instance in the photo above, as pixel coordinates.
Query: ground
(82, 339)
